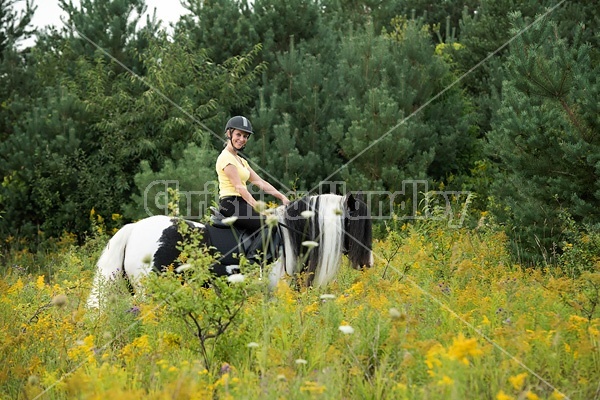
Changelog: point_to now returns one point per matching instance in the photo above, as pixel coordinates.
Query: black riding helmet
(240, 123)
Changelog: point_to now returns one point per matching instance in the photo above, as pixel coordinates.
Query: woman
(233, 172)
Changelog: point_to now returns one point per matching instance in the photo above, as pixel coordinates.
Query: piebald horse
(340, 225)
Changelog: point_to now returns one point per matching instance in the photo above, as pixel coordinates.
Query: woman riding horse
(233, 172)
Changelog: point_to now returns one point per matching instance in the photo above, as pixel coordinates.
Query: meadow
(444, 314)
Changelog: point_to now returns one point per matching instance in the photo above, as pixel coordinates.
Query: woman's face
(239, 138)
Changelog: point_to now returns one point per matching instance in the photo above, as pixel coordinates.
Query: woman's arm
(266, 187)
(232, 173)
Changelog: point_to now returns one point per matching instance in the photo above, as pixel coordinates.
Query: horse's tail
(110, 263)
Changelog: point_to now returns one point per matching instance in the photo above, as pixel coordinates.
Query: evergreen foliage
(545, 138)
(192, 175)
(14, 26)
(81, 141)
(15, 77)
(395, 125)
(109, 26)
(224, 28)
(367, 92)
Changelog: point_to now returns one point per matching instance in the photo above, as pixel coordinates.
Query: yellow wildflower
(39, 283)
(517, 381)
(148, 314)
(463, 347)
(357, 288)
(312, 387)
(446, 380)
(139, 346)
(16, 287)
(531, 396)
(432, 360)
(311, 308)
(284, 292)
(84, 348)
(503, 396)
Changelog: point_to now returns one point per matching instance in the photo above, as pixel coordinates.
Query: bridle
(345, 247)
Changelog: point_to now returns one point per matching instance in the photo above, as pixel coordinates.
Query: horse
(330, 225)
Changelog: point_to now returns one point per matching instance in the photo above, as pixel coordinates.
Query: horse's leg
(93, 300)
(110, 264)
(141, 249)
(277, 273)
(135, 280)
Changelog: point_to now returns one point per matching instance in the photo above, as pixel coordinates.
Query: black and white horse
(338, 224)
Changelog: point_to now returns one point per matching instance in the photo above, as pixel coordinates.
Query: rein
(289, 228)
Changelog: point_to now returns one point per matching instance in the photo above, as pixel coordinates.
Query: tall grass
(443, 314)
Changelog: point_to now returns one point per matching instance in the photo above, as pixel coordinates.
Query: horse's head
(340, 225)
(358, 231)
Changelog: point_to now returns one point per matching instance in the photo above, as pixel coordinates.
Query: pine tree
(545, 138)
(192, 175)
(15, 79)
(90, 130)
(358, 13)
(292, 115)
(395, 126)
(276, 22)
(14, 26)
(109, 27)
(223, 28)
(484, 33)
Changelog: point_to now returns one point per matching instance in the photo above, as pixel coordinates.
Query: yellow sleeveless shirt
(225, 186)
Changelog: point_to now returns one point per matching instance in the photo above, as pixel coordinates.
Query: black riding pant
(236, 206)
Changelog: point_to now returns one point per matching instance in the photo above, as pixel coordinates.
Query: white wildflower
(310, 244)
(301, 361)
(272, 220)
(252, 345)
(260, 206)
(307, 214)
(229, 220)
(327, 297)
(346, 329)
(236, 278)
(183, 267)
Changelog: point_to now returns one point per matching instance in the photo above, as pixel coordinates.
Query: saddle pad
(224, 241)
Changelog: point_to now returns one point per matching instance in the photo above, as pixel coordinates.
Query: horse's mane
(326, 227)
(359, 231)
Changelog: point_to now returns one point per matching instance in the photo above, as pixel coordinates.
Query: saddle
(231, 242)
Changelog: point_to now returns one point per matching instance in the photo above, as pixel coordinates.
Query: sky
(49, 12)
